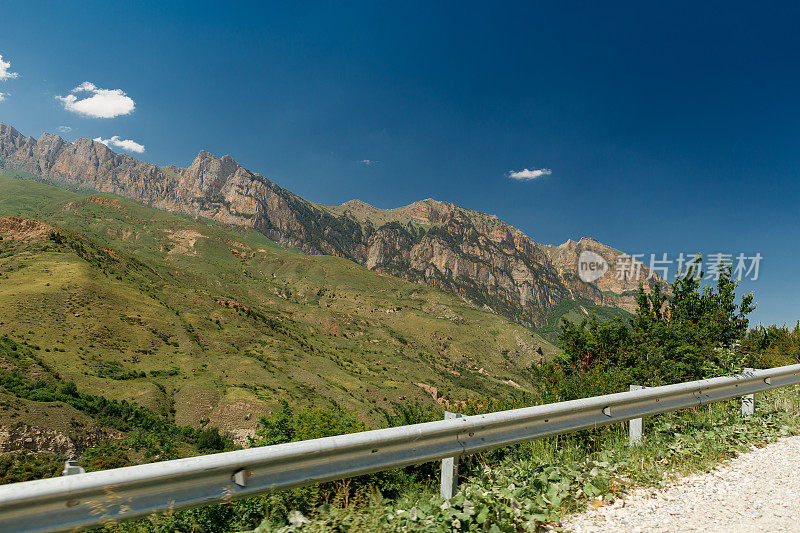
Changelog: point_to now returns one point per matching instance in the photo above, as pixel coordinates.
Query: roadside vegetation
(514, 489)
(292, 347)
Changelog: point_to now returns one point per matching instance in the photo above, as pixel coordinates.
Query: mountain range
(209, 294)
(491, 264)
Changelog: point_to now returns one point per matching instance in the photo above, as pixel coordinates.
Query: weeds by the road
(527, 486)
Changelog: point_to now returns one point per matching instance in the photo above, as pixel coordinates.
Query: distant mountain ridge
(475, 255)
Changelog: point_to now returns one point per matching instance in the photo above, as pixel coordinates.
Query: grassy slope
(225, 324)
(575, 311)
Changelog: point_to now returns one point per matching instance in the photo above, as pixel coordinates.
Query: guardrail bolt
(240, 477)
(635, 426)
(749, 401)
(449, 468)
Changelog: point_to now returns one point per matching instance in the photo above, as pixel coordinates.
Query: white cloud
(5, 74)
(64, 129)
(526, 175)
(103, 103)
(368, 162)
(123, 144)
(3, 96)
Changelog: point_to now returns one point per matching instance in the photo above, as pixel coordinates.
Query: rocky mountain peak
(5, 129)
(206, 160)
(431, 212)
(51, 137)
(211, 174)
(202, 158)
(355, 203)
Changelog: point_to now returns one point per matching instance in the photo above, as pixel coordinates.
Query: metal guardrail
(95, 498)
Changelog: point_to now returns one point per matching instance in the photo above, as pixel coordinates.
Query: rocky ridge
(478, 256)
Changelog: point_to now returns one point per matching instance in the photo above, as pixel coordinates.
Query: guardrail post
(71, 468)
(635, 426)
(449, 469)
(749, 401)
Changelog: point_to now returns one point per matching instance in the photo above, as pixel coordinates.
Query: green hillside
(575, 311)
(210, 324)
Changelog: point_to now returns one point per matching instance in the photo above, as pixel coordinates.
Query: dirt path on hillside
(757, 491)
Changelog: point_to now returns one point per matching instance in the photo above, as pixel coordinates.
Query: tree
(671, 338)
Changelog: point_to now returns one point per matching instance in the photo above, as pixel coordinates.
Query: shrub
(106, 456)
(19, 466)
(210, 440)
(290, 425)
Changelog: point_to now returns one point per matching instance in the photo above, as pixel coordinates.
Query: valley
(210, 324)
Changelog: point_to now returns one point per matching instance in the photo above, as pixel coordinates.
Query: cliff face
(476, 255)
(618, 286)
(472, 254)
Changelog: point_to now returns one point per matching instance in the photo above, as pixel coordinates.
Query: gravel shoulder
(756, 491)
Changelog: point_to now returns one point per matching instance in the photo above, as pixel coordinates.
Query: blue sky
(668, 128)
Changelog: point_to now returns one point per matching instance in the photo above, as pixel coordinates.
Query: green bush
(106, 456)
(290, 425)
(773, 346)
(20, 466)
(209, 440)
